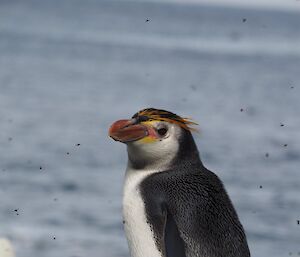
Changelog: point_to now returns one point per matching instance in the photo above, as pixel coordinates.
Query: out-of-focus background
(69, 68)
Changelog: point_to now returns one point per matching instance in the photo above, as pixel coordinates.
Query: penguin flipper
(174, 245)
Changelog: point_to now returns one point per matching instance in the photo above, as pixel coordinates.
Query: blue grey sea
(69, 68)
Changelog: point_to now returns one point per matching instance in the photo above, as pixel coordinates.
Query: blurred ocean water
(68, 69)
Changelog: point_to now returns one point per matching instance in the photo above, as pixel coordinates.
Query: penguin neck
(187, 155)
(136, 162)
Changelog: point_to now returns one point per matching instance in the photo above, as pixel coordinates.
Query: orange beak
(127, 131)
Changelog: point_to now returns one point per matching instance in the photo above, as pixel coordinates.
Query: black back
(189, 210)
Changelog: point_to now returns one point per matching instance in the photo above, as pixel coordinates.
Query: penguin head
(154, 138)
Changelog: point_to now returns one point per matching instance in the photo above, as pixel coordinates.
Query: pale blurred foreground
(6, 249)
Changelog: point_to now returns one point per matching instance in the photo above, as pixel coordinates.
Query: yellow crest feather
(162, 115)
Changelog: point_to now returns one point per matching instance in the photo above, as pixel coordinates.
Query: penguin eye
(162, 131)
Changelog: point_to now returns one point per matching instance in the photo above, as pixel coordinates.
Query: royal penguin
(172, 205)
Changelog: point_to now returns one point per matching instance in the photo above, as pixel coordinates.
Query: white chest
(139, 235)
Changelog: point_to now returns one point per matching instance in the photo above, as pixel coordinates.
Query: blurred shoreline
(271, 5)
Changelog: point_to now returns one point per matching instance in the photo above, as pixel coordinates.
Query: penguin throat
(150, 160)
(183, 152)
